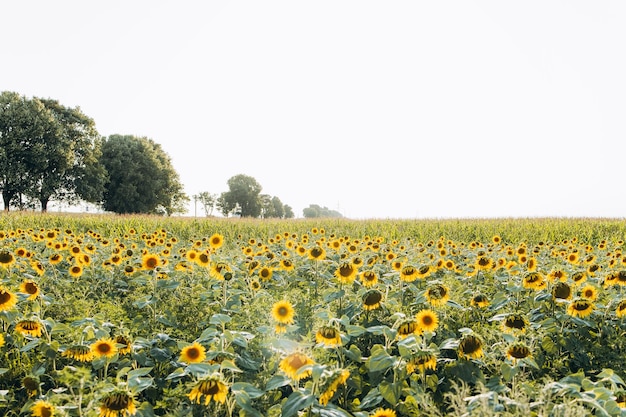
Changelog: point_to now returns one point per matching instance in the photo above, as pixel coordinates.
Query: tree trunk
(6, 198)
(44, 205)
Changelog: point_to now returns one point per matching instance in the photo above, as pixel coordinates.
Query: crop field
(149, 316)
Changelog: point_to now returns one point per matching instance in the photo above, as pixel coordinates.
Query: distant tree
(242, 198)
(141, 177)
(207, 200)
(271, 207)
(288, 212)
(315, 211)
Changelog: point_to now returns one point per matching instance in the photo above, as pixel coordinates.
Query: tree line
(50, 152)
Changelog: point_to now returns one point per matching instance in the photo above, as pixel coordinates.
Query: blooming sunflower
(346, 273)
(421, 361)
(580, 308)
(203, 259)
(484, 263)
(292, 364)
(6, 259)
(75, 271)
(328, 336)
(255, 285)
(384, 412)
(437, 295)
(283, 312)
(118, 404)
(29, 327)
(286, 265)
(589, 292)
(7, 300)
(336, 379)
(42, 408)
(104, 348)
(480, 301)
(216, 241)
(316, 253)
(427, 320)
(409, 273)
(31, 288)
(534, 281)
(212, 389)
(265, 273)
(471, 347)
(150, 261)
(372, 300)
(194, 353)
(79, 353)
(561, 291)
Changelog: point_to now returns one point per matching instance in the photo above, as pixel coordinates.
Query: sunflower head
(427, 320)
(515, 323)
(104, 348)
(6, 258)
(42, 408)
(369, 278)
(421, 361)
(372, 299)
(7, 300)
(79, 353)
(31, 384)
(29, 327)
(480, 301)
(561, 291)
(209, 389)
(283, 312)
(408, 327)
(518, 351)
(337, 378)
(194, 353)
(118, 403)
(580, 308)
(328, 336)
(293, 363)
(437, 295)
(346, 272)
(471, 347)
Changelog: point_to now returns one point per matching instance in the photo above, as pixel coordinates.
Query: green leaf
(228, 364)
(380, 360)
(220, 319)
(391, 392)
(297, 401)
(277, 381)
(252, 391)
(372, 399)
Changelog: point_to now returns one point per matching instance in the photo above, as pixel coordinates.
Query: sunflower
(317, 253)
(332, 383)
(150, 261)
(480, 301)
(514, 323)
(471, 347)
(372, 300)
(79, 353)
(31, 288)
(194, 353)
(561, 291)
(125, 345)
(37, 267)
(212, 388)
(421, 361)
(437, 295)
(7, 300)
(580, 308)
(75, 271)
(368, 278)
(579, 277)
(346, 273)
(620, 398)
(283, 312)
(620, 311)
(255, 285)
(328, 336)
(534, 281)
(286, 265)
(42, 408)
(219, 270)
(483, 263)
(118, 404)
(424, 271)
(216, 241)
(408, 327)
(384, 412)
(104, 348)
(408, 273)
(31, 385)
(29, 327)
(55, 258)
(518, 351)
(427, 320)
(1, 340)
(292, 364)
(589, 292)
(265, 273)
(203, 259)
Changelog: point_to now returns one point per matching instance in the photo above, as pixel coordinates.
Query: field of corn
(147, 316)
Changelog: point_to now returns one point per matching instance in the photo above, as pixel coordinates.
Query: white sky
(395, 109)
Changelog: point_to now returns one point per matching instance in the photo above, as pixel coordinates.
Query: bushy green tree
(315, 211)
(141, 177)
(242, 197)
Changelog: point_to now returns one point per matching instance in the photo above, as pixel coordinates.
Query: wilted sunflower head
(31, 384)
(514, 323)
(518, 351)
(480, 301)
(328, 336)
(580, 308)
(29, 327)
(372, 299)
(118, 403)
(561, 291)
(212, 389)
(437, 295)
(471, 347)
(422, 361)
(408, 327)
(620, 310)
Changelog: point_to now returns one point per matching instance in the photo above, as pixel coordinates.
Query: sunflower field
(118, 316)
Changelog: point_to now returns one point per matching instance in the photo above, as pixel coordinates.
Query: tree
(271, 207)
(315, 211)
(288, 212)
(141, 177)
(207, 200)
(242, 197)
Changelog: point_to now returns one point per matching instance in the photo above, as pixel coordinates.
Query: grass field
(118, 316)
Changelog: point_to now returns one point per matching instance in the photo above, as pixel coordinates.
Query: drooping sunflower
(514, 323)
(104, 347)
(408, 327)
(328, 336)
(283, 312)
(534, 281)
(286, 265)
(212, 389)
(409, 273)
(580, 308)
(118, 404)
(317, 253)
(6, 259)
(427, 320)
(292, 364)
(332, 383)
(562, 291)
(484, 263)
(8, 300)
(480, 301)
(255, 285)
(368, 278)
(194, 353)
(518, 351)
(384, 412)
(620, 310)
(557, 275)
(42, 408)
(29, 327)
(124, 344)
(424, 271)
(55, 258)
(31, 288)
(471, 347)
(216, 241)
(579, 277)
(31, 383)
(219, 270)
(372, 300)
(79, 353)
(437, 295)
(346, 272)
(421, 361)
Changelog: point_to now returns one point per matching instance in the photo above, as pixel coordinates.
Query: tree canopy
(315, 211)
(244, 198)
(141, 177)
(48, 152)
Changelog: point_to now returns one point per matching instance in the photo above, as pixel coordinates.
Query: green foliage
(315, 211)
(242, 197)
(141, 178)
